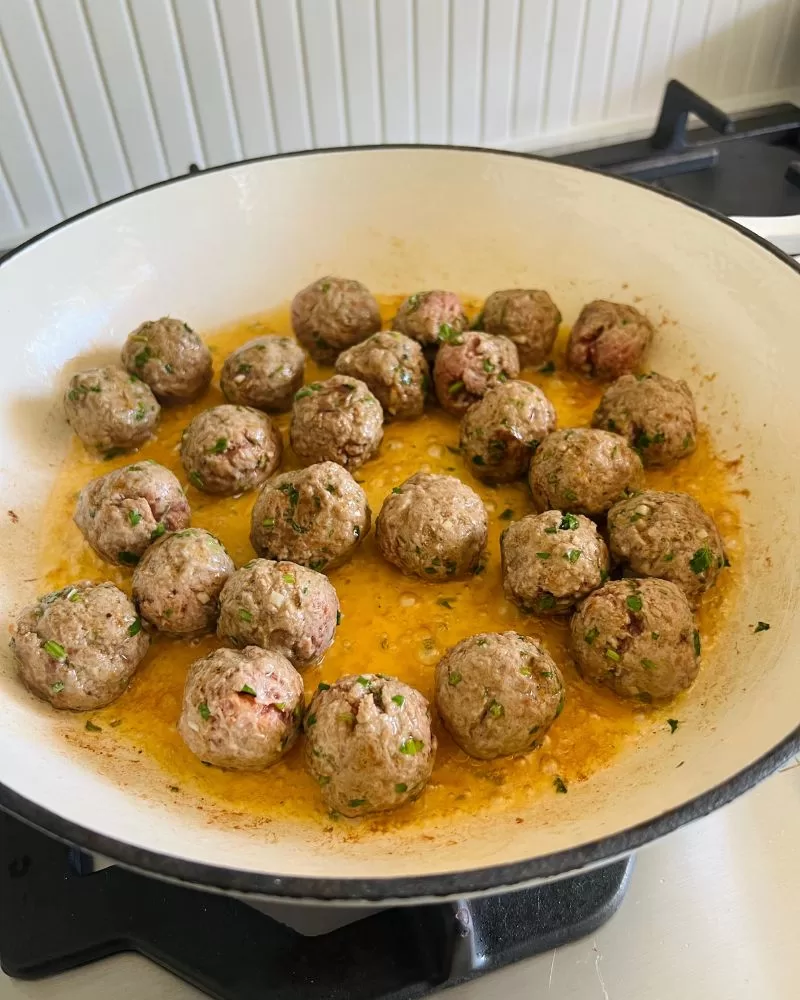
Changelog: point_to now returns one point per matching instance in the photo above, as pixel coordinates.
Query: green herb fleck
(397, 489)
(92, 728)
(363, 681)
(673, 724)
(157, 532)
(445, 602)
(559, 785)
(568, 522)
(454, 678)
(57, 687)
(669, 557)
(56, 650)
(496, 709)
(572, 555)
(205, 714)
(196, 480)
(398, 699)
(288, 578)
(400, 788)
(545, 602)
(696, 642)
(455, 388)
(324, 779)
(542, 555)
(355, 803)
(613, 655)
(411, 746)
(128, 558)
(655, 636)
(548, 368)
(246, 689)
(311, 720)
(570, 495)
(591, 635)
(135, 627)
(761, 627)
(701, 561)
(447, 335)
(648, 664)
(220, 446)
(634, 602)
(268, 522)
(507, 515)
(245, 615)
(113, 453)
(134, 517)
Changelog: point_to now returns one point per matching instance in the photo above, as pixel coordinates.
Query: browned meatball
(110, 410)
(654, 413)
(467, 366)
(584, 471)
(264, 373)
(338, 420)
(498, 693)
(332, 314)
(551, 561)
(394, 368)
(608, 339)
(170, 357)
(434, 527)
(637, 637)
(526, 316)
(431, 317)
(500, 432)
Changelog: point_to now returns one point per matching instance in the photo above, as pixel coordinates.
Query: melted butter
(391, 624)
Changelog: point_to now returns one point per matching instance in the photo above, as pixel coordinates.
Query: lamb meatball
(434, 527)
(332, 314)
(526, 316)
(584, 471)
(500, 432)
(338, 420)
(241, 708)
(368, 743)
(667, 535)
(468, 366)
(170, 357)
(637, 637)
(551, 561)
(110, 410)
(497, 693)
(280, 606)
(315, 516)
(394, 368)
(429, 317)
(121, 513)
(177, 584)
(654, 413)
(229, 450)
(264, 373)
(79, 647)
(608, 339)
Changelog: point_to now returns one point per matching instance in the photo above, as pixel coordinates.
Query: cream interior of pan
(237, 241)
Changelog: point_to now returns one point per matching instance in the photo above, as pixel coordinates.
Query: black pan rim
(404, 889)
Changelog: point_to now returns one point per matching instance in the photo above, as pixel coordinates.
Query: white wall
(100, 96)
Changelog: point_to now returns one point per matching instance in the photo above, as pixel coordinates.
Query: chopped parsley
(196, 480)
(634, 602)
(572, 555)
(455, 388)
(363, 681)
(288, 578)
(488, 367)
(205, 714)
(669, 557)
(311, 719)
(397, 489)
(559, 785)
(445, 602)
(613, 655)
(701, 561)
(268, 522)
(220, 446)
(245, 615)
(570, 495)
(542, 555)
(569, 522)
(355, 803)
(411, 746)
(648, 664)
(157, 532)
(58, 687)
(591, 635)
(400, 788)
(454, 678)
(135, 627)
(56, 650)
(761, 627)
(673, 724)
(246, 689)
(128, 558)
(447, 335)
(496, 709)
(134, 517)
(545, 602)
(696, 642)
(91, 727)
(398, 699)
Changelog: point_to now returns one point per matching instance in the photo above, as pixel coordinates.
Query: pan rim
(403, 888)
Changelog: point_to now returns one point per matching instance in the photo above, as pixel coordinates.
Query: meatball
(551, 561)
(338, 420)
(468, 366)
(229, 450)
(241, 708)
(264, 373)
(334, 313)
(369, 743)
(315, 516)
(526, 316)
(79, 647)
(110, 410)
(178, 581)
(497, 693)
(584, 471)
(429, 317)
(500, 432)
(667, 535)
(280, 606)
(434, 527)
(637, 637)
(608, 339)
(170, 357)
(654, 413)
(394, 368)
(121, 513)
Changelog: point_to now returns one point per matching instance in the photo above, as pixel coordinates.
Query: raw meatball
(332, 314)
(79, 647)
(110, 410)
(434, 527)
(241, 708)
(637, 637)
(121, 513)
(551, 561)
(583, 471)
(467, 367)
(281, 606)
(667, 535)
(497, 693)
(369, 743)
(264, 373)
(608, 339)
(528, 317)
(170, 357)
(431, 317)
(229, 450)
(338, 420)
(315, 516)
(500, 432)
(178, 581)
(394, 368)
(654, 413)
